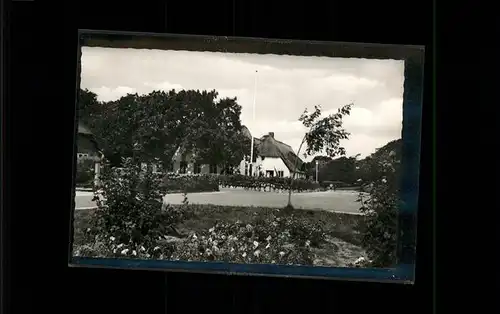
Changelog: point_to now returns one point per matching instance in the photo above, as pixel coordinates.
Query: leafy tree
(323, 135)
(369, 169)
(321, 159)
(310, 167)
(340, 169)
(88, 106)
(156, 125)
(218, 138)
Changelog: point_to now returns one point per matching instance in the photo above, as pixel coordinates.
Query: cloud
(349, 84)
(385, 118)
(107, 94)
(162, 86)
(286, 85)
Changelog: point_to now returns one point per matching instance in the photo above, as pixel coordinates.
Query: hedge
(211, 182)
(265, 183)
(190, 183)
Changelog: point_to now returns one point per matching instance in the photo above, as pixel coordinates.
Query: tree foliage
(88, 106)
(373, 167)
(342, 169)
(156, 125)
(324, 135)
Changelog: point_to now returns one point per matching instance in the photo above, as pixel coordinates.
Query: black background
(39, 96)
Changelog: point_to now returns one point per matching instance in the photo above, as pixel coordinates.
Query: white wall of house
(261, 164)
(273, 164)
(269, 163)
(242, 167)
(80, 157)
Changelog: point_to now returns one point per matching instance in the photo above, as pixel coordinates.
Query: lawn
(339, 201)
(342, 245)
(338, 225)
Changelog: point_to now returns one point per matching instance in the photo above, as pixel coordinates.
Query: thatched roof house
(86, 142)
(268, 146)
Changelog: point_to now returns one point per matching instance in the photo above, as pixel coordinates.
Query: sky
(282, 87)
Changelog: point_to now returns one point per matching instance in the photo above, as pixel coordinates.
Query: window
(213, 168)
(183, 167)
(280, 173)
(197, 168)
(170, 167)
(270, 173)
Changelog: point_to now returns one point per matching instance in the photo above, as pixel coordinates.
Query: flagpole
(253, 122)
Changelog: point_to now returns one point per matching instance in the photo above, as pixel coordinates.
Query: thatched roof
(268, 146)
(86, 140)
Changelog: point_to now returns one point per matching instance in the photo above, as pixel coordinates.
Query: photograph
(245, 158)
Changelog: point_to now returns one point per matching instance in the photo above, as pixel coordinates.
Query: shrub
(380, 235)
(381, 208)
(190, 183)
(111, 248)
(267, 183)
(84, 172)
(130, 211)
(275, 239)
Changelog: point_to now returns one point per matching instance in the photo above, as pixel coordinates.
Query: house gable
(85, 140)
(268, 146)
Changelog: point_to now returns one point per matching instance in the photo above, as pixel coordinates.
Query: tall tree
(156, 125)
(340, 169)
(374, 166)
(87, 106)
(220, 139)
(310, 167)
(323, 135)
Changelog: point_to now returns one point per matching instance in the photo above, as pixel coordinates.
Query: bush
(111, 248)
(381, 209)
(380, 235)
(338, 185)
(130, 212)
(84, 172)
(210, 183)
(190, 183)
(275, 239)
(269, 183)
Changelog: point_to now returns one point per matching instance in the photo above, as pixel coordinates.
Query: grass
(342, 226)
(345, 227)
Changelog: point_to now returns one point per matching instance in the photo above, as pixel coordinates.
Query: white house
(273, 158)
(88, 149)
(181, 163)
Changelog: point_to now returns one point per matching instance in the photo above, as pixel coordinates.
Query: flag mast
(253, 122)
